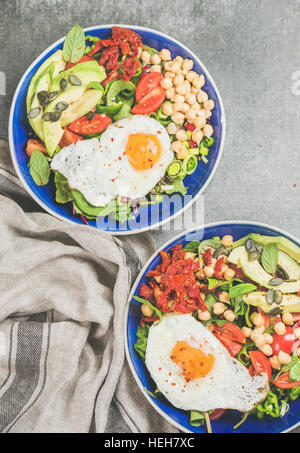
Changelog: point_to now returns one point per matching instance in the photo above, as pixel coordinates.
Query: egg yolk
(194, 363)
(143, 150)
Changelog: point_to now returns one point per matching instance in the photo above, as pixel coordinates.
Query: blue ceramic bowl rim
(148, 227)
(140, 276)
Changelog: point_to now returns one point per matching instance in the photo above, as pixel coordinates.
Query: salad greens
(39, 168)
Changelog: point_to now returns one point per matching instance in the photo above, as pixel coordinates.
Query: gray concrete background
(252, 50)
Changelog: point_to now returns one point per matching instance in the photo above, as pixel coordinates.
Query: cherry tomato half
(69, 137)
(232, 332)
(284, 342)
(147, 84)
(150, 102)
(260, 363)
(232, 347)
(85, 127)
(33, 145)
(283, 382)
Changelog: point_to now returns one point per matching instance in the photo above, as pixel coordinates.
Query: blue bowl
(19, 129)
(177, 417)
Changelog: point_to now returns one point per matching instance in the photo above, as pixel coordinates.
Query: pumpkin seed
(90, 116)
(259, 247)
(63, 84)
(275, 311)
(220, 251)
(270, 296)
(73, 79)
(250, 245)
(43, 98)
(34, 112)
(55, 116)
(277, 297)
(282, 273)
(52, 95)
(276, 281)
(255, 255)
(61, 106)
(47, 116)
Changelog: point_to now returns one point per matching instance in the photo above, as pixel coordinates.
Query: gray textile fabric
(63, 291)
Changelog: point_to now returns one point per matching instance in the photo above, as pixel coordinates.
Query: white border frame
(203, 227)
(147, 228)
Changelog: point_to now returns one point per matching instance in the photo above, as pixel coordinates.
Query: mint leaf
(39, 168)
(241, 289)
(74, 44)
(269, 258)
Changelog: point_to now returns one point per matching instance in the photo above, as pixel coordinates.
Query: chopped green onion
(209, 141)
(204, 159)
(190, 164)
(174, 169)
(203, 150)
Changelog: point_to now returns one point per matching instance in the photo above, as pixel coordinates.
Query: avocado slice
(255, 271)
(80, 103)
(290, 302)
(41, 82)
(87, 72)
(283, 244)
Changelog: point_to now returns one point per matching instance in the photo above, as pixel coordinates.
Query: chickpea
(158, 278)
(188, 255)
(178, 79)
(219, 308)
(169, 75)
(288, 319)
(209, 105)
(179, 98)
(178, 107)
(177, 146)
(225, 268)
(187, 64)
(258, 339)
(199, 123)
(275, 364)
(195, 90)
(155, 59)
(199, 81)
(187, 84)
(196, 106)
(284, 358)
(210, 327)
(202, 97)
(178, 118)
(155, 68)
(267, 350)
(172, 128)
(145, 57)
(224, 296)
(208, 130)
(280, 328)
(213, 262)
(191, 115)
(147, 311)
(208, 114)
(190, 98)
(197, 136)
(208, 271)
(229, 274)
(200, 274)
(174, 66)
(170, 93)
(246, 331)
(166, 83)
(190, 75)
(227, 240)
(268, 338)
(168, 109)
(185, 107)
(179, 59)
(259, 330)
(204, 315)
(297, 333)
(183, 153)
(181, 89)
(298, 352)
(257, 319)
(229, 315)
(181, 135)
(165, 55)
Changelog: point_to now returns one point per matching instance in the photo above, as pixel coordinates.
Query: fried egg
(194, 371)
(128, 161)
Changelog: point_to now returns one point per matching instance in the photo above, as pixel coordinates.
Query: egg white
(100, 170)
(227, 386)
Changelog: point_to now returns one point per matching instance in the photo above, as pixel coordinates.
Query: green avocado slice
(290, 302)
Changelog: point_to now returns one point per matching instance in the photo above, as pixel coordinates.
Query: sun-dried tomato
(109, 57)
(129, 68)
(218, 267)
(208, 257)
(146, 292)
